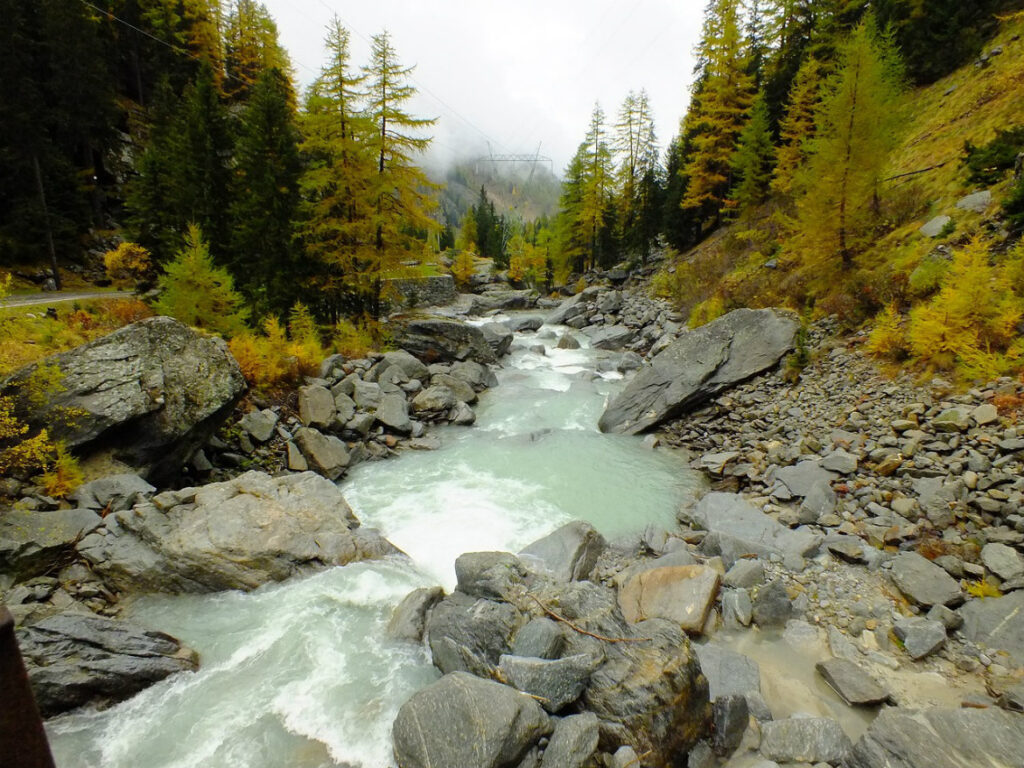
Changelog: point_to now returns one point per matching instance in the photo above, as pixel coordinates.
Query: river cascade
(301, 673)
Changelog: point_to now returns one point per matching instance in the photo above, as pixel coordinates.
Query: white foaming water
(301, 674)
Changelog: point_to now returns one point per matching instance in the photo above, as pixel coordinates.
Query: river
(301, 673)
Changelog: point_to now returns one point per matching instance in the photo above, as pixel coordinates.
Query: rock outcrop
(150, 393)
(74, 659)
(699, 365)
(232, 535)
(434, 339)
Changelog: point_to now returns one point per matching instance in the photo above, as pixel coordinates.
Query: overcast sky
(515, 73)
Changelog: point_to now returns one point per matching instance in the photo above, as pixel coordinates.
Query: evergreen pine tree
(754, 158)
(266, 178)
(596, 214)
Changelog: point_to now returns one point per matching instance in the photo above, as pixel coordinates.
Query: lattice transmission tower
(534, 160)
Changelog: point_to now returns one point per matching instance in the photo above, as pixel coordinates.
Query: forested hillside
(820, 137)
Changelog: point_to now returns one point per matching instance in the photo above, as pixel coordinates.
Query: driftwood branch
(582, 631)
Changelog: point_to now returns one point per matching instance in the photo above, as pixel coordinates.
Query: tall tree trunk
(46, 220)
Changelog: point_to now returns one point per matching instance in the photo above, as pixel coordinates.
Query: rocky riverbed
(847, 592)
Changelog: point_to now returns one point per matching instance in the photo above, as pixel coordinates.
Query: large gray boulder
(149, 394)
(611, 337)
(736, 528)
(464, 722)
(74, 659)
(434, 339)
(573, 742)
(698, 366)
(470, 634)
(568, 553)
(923, 582)
(683, 594)
(940, 738)
(555, 683)
(997, 622)
(804, 740)
(114, 491)
(32, 543)
(502, 299)
(498, 336)
(238, 534)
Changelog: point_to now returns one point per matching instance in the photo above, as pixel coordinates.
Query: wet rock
(497, 725)
(698, 366)
(940, 738)
(731, 717)
(612, 337)
(238, 534)
(651, 695)
(498, 337)
(555, 682)
(923, 582)
(116, 492)
(74, 659)
(470, 634)
(462, 415)
(567, 341)
(408, 622)
(682, 594)
(567, 554)
(997, 622)
(32, 542)
(522, 323)
(150, 394)
(541, 638)
(772, 606)
(573, 742)
(1005, 562)
(490, 575)
(439, 339)
(393, 413)
(804, 740)
(852, 682)
(316, 406)
(324, 454)
(921, 637)
(730, 673)
(568, 309)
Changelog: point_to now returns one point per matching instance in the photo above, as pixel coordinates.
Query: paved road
(52, 297)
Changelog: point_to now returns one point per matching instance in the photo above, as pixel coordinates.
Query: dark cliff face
(149, 394)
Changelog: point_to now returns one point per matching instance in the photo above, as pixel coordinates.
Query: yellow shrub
(707, 311)
(128, 261)
(353, 340)
(971, 324)
(464, 266)
(886, 339)
(580, 286)
(63, 476)
(273, 360)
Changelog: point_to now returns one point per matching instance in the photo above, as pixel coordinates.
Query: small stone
(731, 716)
(923, 582)
(772, 606)
(952, 420)
(853, 684)
(921, 637)
(840, 461)
(745, 573)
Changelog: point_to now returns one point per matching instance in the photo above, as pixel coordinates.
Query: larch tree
(399, 190)
(797, 127)
(250, 47)
(638, 174)
(571, 239)
(754, 158)
(336, 217)
(266, 194)
(717, 117)
(598, 180)
(857, 126)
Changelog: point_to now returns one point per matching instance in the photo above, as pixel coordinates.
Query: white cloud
(519, 73)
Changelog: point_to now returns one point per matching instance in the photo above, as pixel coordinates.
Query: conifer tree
(399, 191)
(266, 179)
(638, 174)
(250, 47)
(797, 127)
(716, 118)
(754, 158)
(571, 237)
(856, 128)
(336, 225)
(596, 199)
(199, 294)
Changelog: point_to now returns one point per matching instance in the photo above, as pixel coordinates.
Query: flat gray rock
(805, 740)
(683, 594)
(434, 339)
(74, 659)
(852, 682)
(940, 738)
(732, 674)
(611, 337)
(462, 720)
(239, 534)
(555, 682)
(803, 478)
(316, 406)
(393, 413)
(736, 528)
(997, 622)
(977, 202)
(259, 424)
(325, 454)
(699, 365)
(567, 554)
(1005, 562)
(923, 582)
(541, 638)
(935, 226)
(114, 491)
(921, 637)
